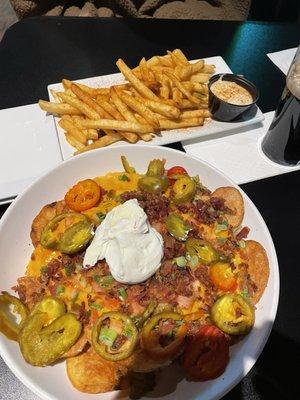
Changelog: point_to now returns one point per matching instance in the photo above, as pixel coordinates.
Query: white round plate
(51, 383)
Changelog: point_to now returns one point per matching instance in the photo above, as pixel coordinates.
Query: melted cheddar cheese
(39, 258)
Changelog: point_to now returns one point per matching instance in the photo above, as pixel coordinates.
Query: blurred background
(230, 10)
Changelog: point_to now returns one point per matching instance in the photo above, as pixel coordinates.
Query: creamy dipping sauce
(231, 92)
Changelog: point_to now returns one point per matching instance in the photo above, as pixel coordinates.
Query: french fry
(200, 78)
(69, 93)
(196, 87)
(84, 108)
(208, 68)
(195, 113)
(153, 61)
(111, 111)
(191, 69)
(109, 108)
(176, 60)
(88, 100)
(144, 70)
(141, 109)
(89, 133)
(181, 87)
(73, 141)
(66, 83)
(176, 96)
(185, 123)
(136, 83)
(165, 60)
(102, 142)
(58, 108)
(71, 128)
(122, 108)
(181, 55)
(185, 104)
(162, 108)
(87, 89)
(55, 96)
(116, 125)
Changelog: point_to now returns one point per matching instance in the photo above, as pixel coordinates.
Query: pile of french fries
(164, 93)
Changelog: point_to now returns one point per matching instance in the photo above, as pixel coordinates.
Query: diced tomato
(207, 354)
(84, 195)
(222, 276)
(176, 170)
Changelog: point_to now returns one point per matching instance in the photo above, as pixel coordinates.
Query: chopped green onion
(60, 290)
(122, 294)
(242, 244)
(103, 280)
(181, 261)
(101, 216)
(244, 293)
(127, 331)
(124, 178)
(221, 240)
(108, 336)
(95, 306)
(221, 227)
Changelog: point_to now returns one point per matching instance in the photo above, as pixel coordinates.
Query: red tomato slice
(207, 354)
(84, 195)
(223, 277)
(176, 170)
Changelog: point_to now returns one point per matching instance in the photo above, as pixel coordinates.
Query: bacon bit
(166, 268)
(184, 301)
(52, 271)
(83, 315)
(98, 288)
(155, 206)
(243, 233)
(137, 308)
(120, 340)
(203, 275)
(172, 248)
(29, 290)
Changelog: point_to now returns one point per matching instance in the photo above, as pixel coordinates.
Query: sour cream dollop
(125, 239)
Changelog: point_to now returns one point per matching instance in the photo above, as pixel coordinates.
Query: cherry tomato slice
(176, 170)
(207, 354)
(223, 277)
(84, 195)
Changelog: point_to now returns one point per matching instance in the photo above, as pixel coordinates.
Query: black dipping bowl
(221, 109)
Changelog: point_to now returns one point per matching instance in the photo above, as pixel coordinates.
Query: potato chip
(90, 373)
(234, 201)
(258, 266)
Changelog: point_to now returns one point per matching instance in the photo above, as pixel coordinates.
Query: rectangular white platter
(210, 128)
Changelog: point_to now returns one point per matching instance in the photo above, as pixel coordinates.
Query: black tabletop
(39, 51)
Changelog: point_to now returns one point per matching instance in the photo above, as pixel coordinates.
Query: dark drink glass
(282, 141)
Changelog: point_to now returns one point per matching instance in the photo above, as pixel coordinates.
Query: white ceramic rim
(273, 306)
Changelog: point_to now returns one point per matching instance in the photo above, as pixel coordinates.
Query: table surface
(40, 51)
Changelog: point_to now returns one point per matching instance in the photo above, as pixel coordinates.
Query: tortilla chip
(258, 266)
(90, 373)
(234, 201)
(47, 213)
